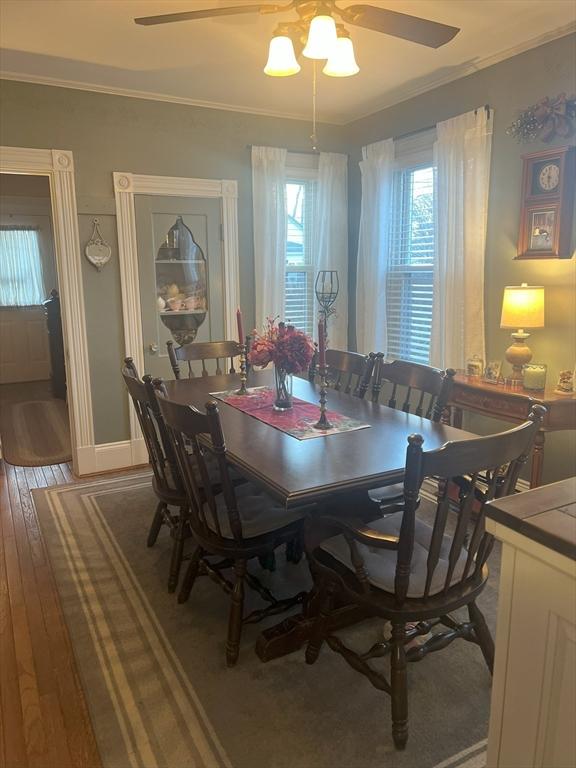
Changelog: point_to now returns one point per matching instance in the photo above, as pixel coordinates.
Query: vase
(283, 382)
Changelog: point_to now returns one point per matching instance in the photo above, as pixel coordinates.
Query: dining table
(322, 472)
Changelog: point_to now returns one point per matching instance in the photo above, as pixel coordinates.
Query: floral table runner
(298, 421)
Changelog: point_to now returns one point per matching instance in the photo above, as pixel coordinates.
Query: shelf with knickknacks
(181, 283)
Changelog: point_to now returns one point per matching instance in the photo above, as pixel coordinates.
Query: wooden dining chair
(221, 352)
(348, 372)
(238, 524)
(166, 482)
(412, 388)
(409, 569)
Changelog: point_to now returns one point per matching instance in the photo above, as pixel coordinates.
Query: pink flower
(284, 345)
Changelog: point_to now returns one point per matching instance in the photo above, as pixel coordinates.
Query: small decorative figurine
(565, 384)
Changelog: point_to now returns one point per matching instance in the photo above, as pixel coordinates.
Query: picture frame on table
(492, 371)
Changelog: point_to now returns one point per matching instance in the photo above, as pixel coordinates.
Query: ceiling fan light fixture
(281, 58)
(321, 38)
(342, 62)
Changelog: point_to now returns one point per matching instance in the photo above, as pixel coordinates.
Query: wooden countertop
(546, 515)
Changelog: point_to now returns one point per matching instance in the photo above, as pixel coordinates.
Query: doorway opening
(34, 420)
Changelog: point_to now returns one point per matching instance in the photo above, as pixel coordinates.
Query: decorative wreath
(546, 120)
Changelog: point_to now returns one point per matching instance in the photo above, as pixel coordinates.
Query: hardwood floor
(44, 721)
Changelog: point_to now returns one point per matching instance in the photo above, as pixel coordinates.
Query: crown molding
(424, 85)
(131, 93)
(432, 83)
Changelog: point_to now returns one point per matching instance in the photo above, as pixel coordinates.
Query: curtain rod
(297, 151)
(430, 127)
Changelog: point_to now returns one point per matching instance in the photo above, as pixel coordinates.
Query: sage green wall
(113, 133)
(507, 87)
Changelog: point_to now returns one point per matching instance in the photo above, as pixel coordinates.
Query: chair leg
(399, 683)
(236, 614)
(156, 524)
(190, 575)
(320, 628)
(483, 634)
(177, 552)
(295, 549)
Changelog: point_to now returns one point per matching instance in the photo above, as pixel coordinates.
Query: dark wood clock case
(547, 213)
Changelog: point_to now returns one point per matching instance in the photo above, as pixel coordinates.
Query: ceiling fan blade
(423, 31)
(207, 13)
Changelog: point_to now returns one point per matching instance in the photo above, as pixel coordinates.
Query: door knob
(153, 348)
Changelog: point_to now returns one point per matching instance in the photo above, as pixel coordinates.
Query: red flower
(284, 345)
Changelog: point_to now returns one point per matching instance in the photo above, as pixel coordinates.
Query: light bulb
(281, 58)
(321, 38)
(342, 62)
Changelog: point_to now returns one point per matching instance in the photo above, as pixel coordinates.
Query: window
(21, 282)
(299, 261)
(409, 287)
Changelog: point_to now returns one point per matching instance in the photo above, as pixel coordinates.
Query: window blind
(409, 287)
(21, 279)
(299, 284)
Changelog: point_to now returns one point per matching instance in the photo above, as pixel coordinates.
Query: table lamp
(522, 307)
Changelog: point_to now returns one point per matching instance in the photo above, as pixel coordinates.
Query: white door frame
(58, 165)
(126, 185)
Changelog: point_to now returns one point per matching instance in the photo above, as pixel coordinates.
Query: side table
(471, 393)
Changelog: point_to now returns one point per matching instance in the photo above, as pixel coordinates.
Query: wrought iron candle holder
(243, 376)
(323, 422)
(326, 289)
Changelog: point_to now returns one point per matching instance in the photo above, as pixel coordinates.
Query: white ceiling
(94, 44)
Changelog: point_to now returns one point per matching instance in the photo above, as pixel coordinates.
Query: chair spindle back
(189, 429)
(412, 387)
(348, 372)
(160, 451)
(502, 457)
(201, 353)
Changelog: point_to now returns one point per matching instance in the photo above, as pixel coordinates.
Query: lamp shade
(523, 306)
(321, 38)
(342, 62)
(281, 58)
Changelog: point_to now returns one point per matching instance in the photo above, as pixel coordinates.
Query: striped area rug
(156, 684)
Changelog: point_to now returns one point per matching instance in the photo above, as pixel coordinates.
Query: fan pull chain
(313, 137)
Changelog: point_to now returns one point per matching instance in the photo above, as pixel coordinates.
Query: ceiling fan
(412, 28)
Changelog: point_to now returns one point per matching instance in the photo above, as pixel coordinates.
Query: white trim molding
(58, 165)
(126, 185)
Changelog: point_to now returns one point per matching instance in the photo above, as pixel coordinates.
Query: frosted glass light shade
(523, 306)
(281, 58)
(342, 62)
(321, 38)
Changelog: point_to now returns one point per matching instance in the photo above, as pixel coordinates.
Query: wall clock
(547, 210)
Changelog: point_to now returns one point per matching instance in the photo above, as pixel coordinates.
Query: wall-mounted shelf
(168, 312)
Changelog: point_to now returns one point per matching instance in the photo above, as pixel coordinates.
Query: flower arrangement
(547, 119)
(281, 344)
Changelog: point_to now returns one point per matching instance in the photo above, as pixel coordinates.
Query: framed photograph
(492, 371)
(542, 230)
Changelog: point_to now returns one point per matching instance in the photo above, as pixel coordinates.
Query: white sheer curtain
(269, 206)
(330, 238)
(21, 278)
(462, 159)
(377, 168)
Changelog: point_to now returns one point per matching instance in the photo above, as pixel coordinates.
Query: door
(23, 345)
(181, 271)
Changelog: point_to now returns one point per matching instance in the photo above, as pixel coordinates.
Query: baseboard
(107, 457)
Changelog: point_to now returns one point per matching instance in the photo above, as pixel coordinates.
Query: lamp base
(518, 354)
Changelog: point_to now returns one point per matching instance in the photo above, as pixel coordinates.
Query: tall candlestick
(241, 339)
(321, 345)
